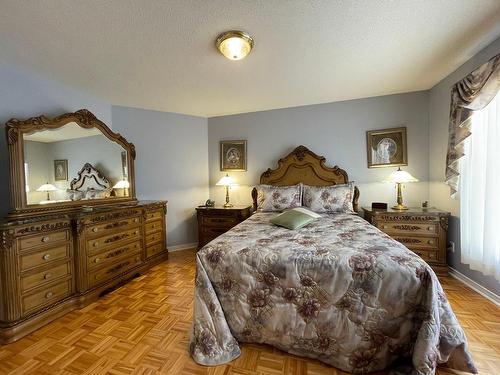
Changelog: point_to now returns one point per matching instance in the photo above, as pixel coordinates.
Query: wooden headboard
(303, 165)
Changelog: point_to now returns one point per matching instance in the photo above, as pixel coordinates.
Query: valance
(472, 93)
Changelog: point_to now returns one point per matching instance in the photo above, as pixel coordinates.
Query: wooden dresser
(52, 265)
(421, 230)
(213, 221)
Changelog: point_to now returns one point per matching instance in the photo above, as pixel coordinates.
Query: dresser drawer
(109, 272)
(46, 296)
(44, 277)
(105, 228)
(153, 238)
(154, 249)
(416, 228)
(49, 238)
(98, 245)
(220, 221)
(43, 257)
(154, 215)
(412, 242)
(212, 232)
(154, 226)
(428, 256)
(105, 257)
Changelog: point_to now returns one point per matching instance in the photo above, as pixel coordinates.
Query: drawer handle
(429, 228)
(47, 276)
(45, 239)
(97, 260)
(94, 230)
(430, 242)
(136, 220)
(46, 257)
(49, 294)
(384, 226)
(153, 226)
(95, 244)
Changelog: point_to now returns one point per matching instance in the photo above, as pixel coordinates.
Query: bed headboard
(303, 165)
(89, 177)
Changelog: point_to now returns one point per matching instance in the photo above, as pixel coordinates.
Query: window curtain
(479, 192)
(471, 94)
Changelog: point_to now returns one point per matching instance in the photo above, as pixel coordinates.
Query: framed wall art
(233, 155)
(61, 170)
(386, 147)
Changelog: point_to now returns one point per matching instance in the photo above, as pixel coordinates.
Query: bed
(338, 290)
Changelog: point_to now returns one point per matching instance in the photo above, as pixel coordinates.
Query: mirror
(71, 160)
(54, 158)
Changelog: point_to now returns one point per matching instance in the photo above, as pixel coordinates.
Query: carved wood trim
(304, 166)
(88, 171)
(15, 128)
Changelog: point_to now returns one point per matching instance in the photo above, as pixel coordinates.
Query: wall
(171, 164)
(334, 130)
(439, 192)
(23, 95)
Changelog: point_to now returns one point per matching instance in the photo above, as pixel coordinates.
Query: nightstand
(213, 221)
(422, 230)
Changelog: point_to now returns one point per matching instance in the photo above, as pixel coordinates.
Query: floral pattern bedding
(338, 290)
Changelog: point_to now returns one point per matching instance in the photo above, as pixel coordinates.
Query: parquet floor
(142, 328)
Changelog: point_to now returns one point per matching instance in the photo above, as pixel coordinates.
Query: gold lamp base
(401, 207)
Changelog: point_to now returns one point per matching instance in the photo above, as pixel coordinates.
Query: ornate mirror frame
(15, 129)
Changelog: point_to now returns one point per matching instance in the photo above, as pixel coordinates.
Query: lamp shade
(47, 187)
(226, 181)
(122, 184)
(401, 177)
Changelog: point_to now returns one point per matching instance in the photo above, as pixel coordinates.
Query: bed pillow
(295, 218)
(329, 199)
(278, 198)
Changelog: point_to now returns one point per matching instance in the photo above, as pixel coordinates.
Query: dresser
(422, 230)
(214, 221)
(52, 265)
(75, 229)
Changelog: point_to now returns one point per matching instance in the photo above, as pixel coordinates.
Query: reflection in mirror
(73, 163)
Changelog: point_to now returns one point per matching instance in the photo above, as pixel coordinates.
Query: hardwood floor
(142, 328)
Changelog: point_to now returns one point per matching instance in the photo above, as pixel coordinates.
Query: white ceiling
(70, 131)
(160, 54)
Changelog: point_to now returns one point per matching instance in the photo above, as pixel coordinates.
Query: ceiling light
(234, 44)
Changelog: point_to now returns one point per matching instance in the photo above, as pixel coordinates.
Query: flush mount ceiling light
(234, 44)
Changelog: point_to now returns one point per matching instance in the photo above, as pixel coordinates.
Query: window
(480, 192)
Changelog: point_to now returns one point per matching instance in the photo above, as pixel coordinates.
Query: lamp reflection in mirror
(123, 184)
(47, 188)
(227, 182)
(400, 177)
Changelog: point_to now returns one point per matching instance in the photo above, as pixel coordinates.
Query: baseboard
(183, 246)
(475, 286)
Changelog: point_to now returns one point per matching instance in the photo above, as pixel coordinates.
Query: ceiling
(70, 131)
(159, 54)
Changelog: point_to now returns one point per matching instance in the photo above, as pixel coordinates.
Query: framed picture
(61, 170)
(233, 155)
(386, 147)
(124, 165)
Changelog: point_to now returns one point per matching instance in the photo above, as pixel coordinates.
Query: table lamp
(227, 182)
(122, 184)
(47, 188)
(400, 177)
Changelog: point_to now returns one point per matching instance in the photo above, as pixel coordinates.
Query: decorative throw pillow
(278, 198)
(295, 218)
(75, 195)
(329, 199)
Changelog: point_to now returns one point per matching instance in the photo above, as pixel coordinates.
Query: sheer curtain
(480, 192)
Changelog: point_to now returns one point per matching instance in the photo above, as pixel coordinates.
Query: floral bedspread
(338, 290)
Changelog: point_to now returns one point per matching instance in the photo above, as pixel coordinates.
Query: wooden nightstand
(422, 230)
(214, 221)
